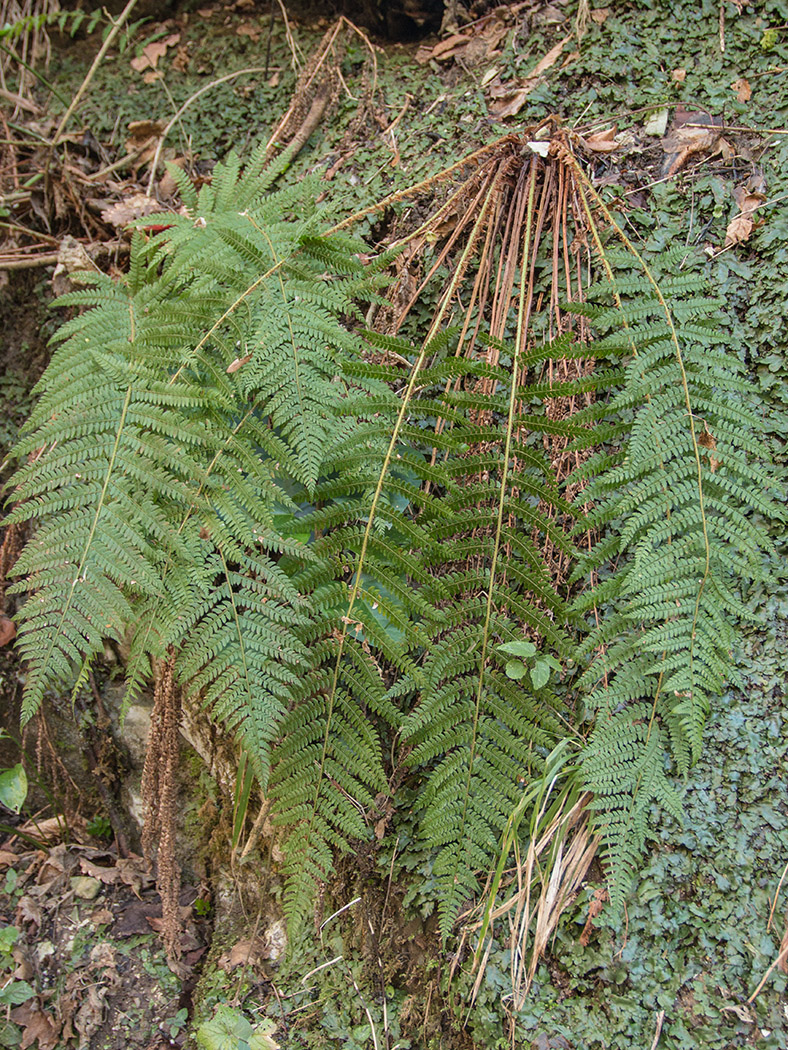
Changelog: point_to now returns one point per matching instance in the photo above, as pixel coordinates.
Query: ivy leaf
(515, 669)
(228, 1029)
(520, 648)
(13, 787)
(540, 674)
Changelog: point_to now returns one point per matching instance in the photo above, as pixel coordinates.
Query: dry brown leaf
(28, 911)
(594, 909)
(511, 97)
(239, 362)
(36, 1025)
(126, 211)
(679, 75)
(599, 15)
(109, 876)
(152, 52)
(246, 952)
(749, 196)
(7, 630)
(742, 89)
(602, 141)
(274, 80)
(8, 858)
(739, 230)
(250, 30)
(445, 49)
(205, 12)
(180, 62)
(692, 132)
(90, 1014)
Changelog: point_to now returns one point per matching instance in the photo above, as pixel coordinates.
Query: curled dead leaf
(239, 362)
(7, 630)
(602, 141)
(152, 52)
(739, 230)
(742, 89)
(679, 76)
(134, 207)
(509, 99)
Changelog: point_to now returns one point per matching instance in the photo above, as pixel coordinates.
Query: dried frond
(318, 87)
(159, 791)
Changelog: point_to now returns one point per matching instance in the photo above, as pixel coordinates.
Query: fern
(220, 467)
(678, 514)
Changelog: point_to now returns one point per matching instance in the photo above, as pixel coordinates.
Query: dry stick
(116, 28)
(780, 959)
(30, 263)
(182, 110)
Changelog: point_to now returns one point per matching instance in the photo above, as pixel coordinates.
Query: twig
(29, 263)
(658, 1033)
(116, 28)
(29, 233)
(22, 103)
(129, 157)
(182, 110)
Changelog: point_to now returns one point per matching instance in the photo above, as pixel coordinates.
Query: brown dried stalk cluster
(319, 86)
(159, 795)
(480, 228)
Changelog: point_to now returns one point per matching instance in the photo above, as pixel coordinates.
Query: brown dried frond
(52, 770)
(159, 791)
(319, 86)
(10, 549)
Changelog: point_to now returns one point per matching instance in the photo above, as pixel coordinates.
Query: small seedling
(526, 659)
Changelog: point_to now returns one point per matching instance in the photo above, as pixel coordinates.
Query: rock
(85, 887)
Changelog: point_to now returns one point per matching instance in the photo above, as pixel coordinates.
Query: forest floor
(681, 109)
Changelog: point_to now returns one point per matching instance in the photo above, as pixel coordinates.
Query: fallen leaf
(602, 141)
(8, 858)
(679, 75)
(7, 630)
(749, 196)
(37, 1025)
(742, 89)
(109, 876)
(692, 132)
(239, 362)
(205, 12)
(274, 80)
(250, 30)
(511, 98)
(152, 52)
(90, 1014)
(739, 230)
(28, 911)
(594, 908)
(741, 1012)
(134, 207)
(599, 15)
(180, 62)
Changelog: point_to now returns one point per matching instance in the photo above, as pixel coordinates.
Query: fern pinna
(334, 547)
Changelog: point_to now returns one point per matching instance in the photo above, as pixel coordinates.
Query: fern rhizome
(328, 534)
